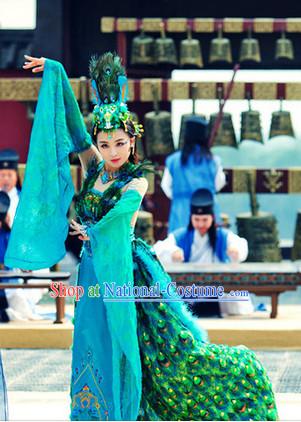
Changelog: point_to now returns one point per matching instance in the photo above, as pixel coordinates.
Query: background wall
(69, 31)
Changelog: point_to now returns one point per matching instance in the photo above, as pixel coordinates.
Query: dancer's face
(115, 148)
(201, 223)
(8, 179)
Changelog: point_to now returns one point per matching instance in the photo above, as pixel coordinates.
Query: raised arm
(86, 156)
(38, 65)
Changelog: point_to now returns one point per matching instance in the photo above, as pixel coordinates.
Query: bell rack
(27, 89)
(121, 26)
(263, 25)
(169, 90)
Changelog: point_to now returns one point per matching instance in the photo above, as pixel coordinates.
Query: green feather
(105, 71)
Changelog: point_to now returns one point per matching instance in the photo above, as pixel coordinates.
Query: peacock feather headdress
(110, 91)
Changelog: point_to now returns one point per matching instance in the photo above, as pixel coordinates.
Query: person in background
(4, 237)
(202, 242)
(9, 180)
(15, 304)
(192, 168)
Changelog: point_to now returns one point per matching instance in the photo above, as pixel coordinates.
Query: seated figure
(202, 242)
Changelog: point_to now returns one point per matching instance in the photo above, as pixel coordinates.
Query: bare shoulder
(89, 154)
(140, 184)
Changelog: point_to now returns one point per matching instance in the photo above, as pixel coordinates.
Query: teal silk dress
(130, 360)
(183, 376)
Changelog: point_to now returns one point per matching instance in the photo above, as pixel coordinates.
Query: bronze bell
(142, 49)
(190, 51)
(144, 227)
(250, 125)
(225, 135)
(249, 49)
(281, 123)
(284, 48)
(165, 49)
(187, 116)
(296, 251)
(220, 49)
(259, 228)
(157, 126)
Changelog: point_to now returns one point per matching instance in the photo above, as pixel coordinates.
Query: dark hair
(5, 226)
(18, 184)
(196, 144)
(130, 130)
(211, 232)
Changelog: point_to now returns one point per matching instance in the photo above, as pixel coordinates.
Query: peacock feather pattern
(185, 378)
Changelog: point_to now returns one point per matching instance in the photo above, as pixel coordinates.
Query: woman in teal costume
(131, 360)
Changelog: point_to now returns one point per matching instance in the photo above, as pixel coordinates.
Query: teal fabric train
(41, 217)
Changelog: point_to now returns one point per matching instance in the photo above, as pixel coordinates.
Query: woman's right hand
(78, 230)
(37, 65)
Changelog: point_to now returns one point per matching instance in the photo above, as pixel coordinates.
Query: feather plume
(106, 70)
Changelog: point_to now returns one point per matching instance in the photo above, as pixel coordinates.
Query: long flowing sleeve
(113, 263)
(40, 227)
(220, 177)
(238, 243)
(165, 248)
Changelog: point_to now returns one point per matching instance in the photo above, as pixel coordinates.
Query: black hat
(196, 127)
(4, 204)
(9, 159)
(202, 202)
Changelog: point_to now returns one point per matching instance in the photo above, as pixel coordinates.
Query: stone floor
(49, 370)
(38, 382)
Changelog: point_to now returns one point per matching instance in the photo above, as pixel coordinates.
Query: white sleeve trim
(220, 177)
(239, 243)
(165, 248)
(166, 183)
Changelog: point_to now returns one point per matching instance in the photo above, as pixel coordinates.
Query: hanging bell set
(147, 51)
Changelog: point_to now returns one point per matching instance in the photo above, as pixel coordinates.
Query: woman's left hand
(79, 229)
(35, 63)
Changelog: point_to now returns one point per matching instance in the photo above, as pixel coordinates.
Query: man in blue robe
(202, 242)
(190, 169)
